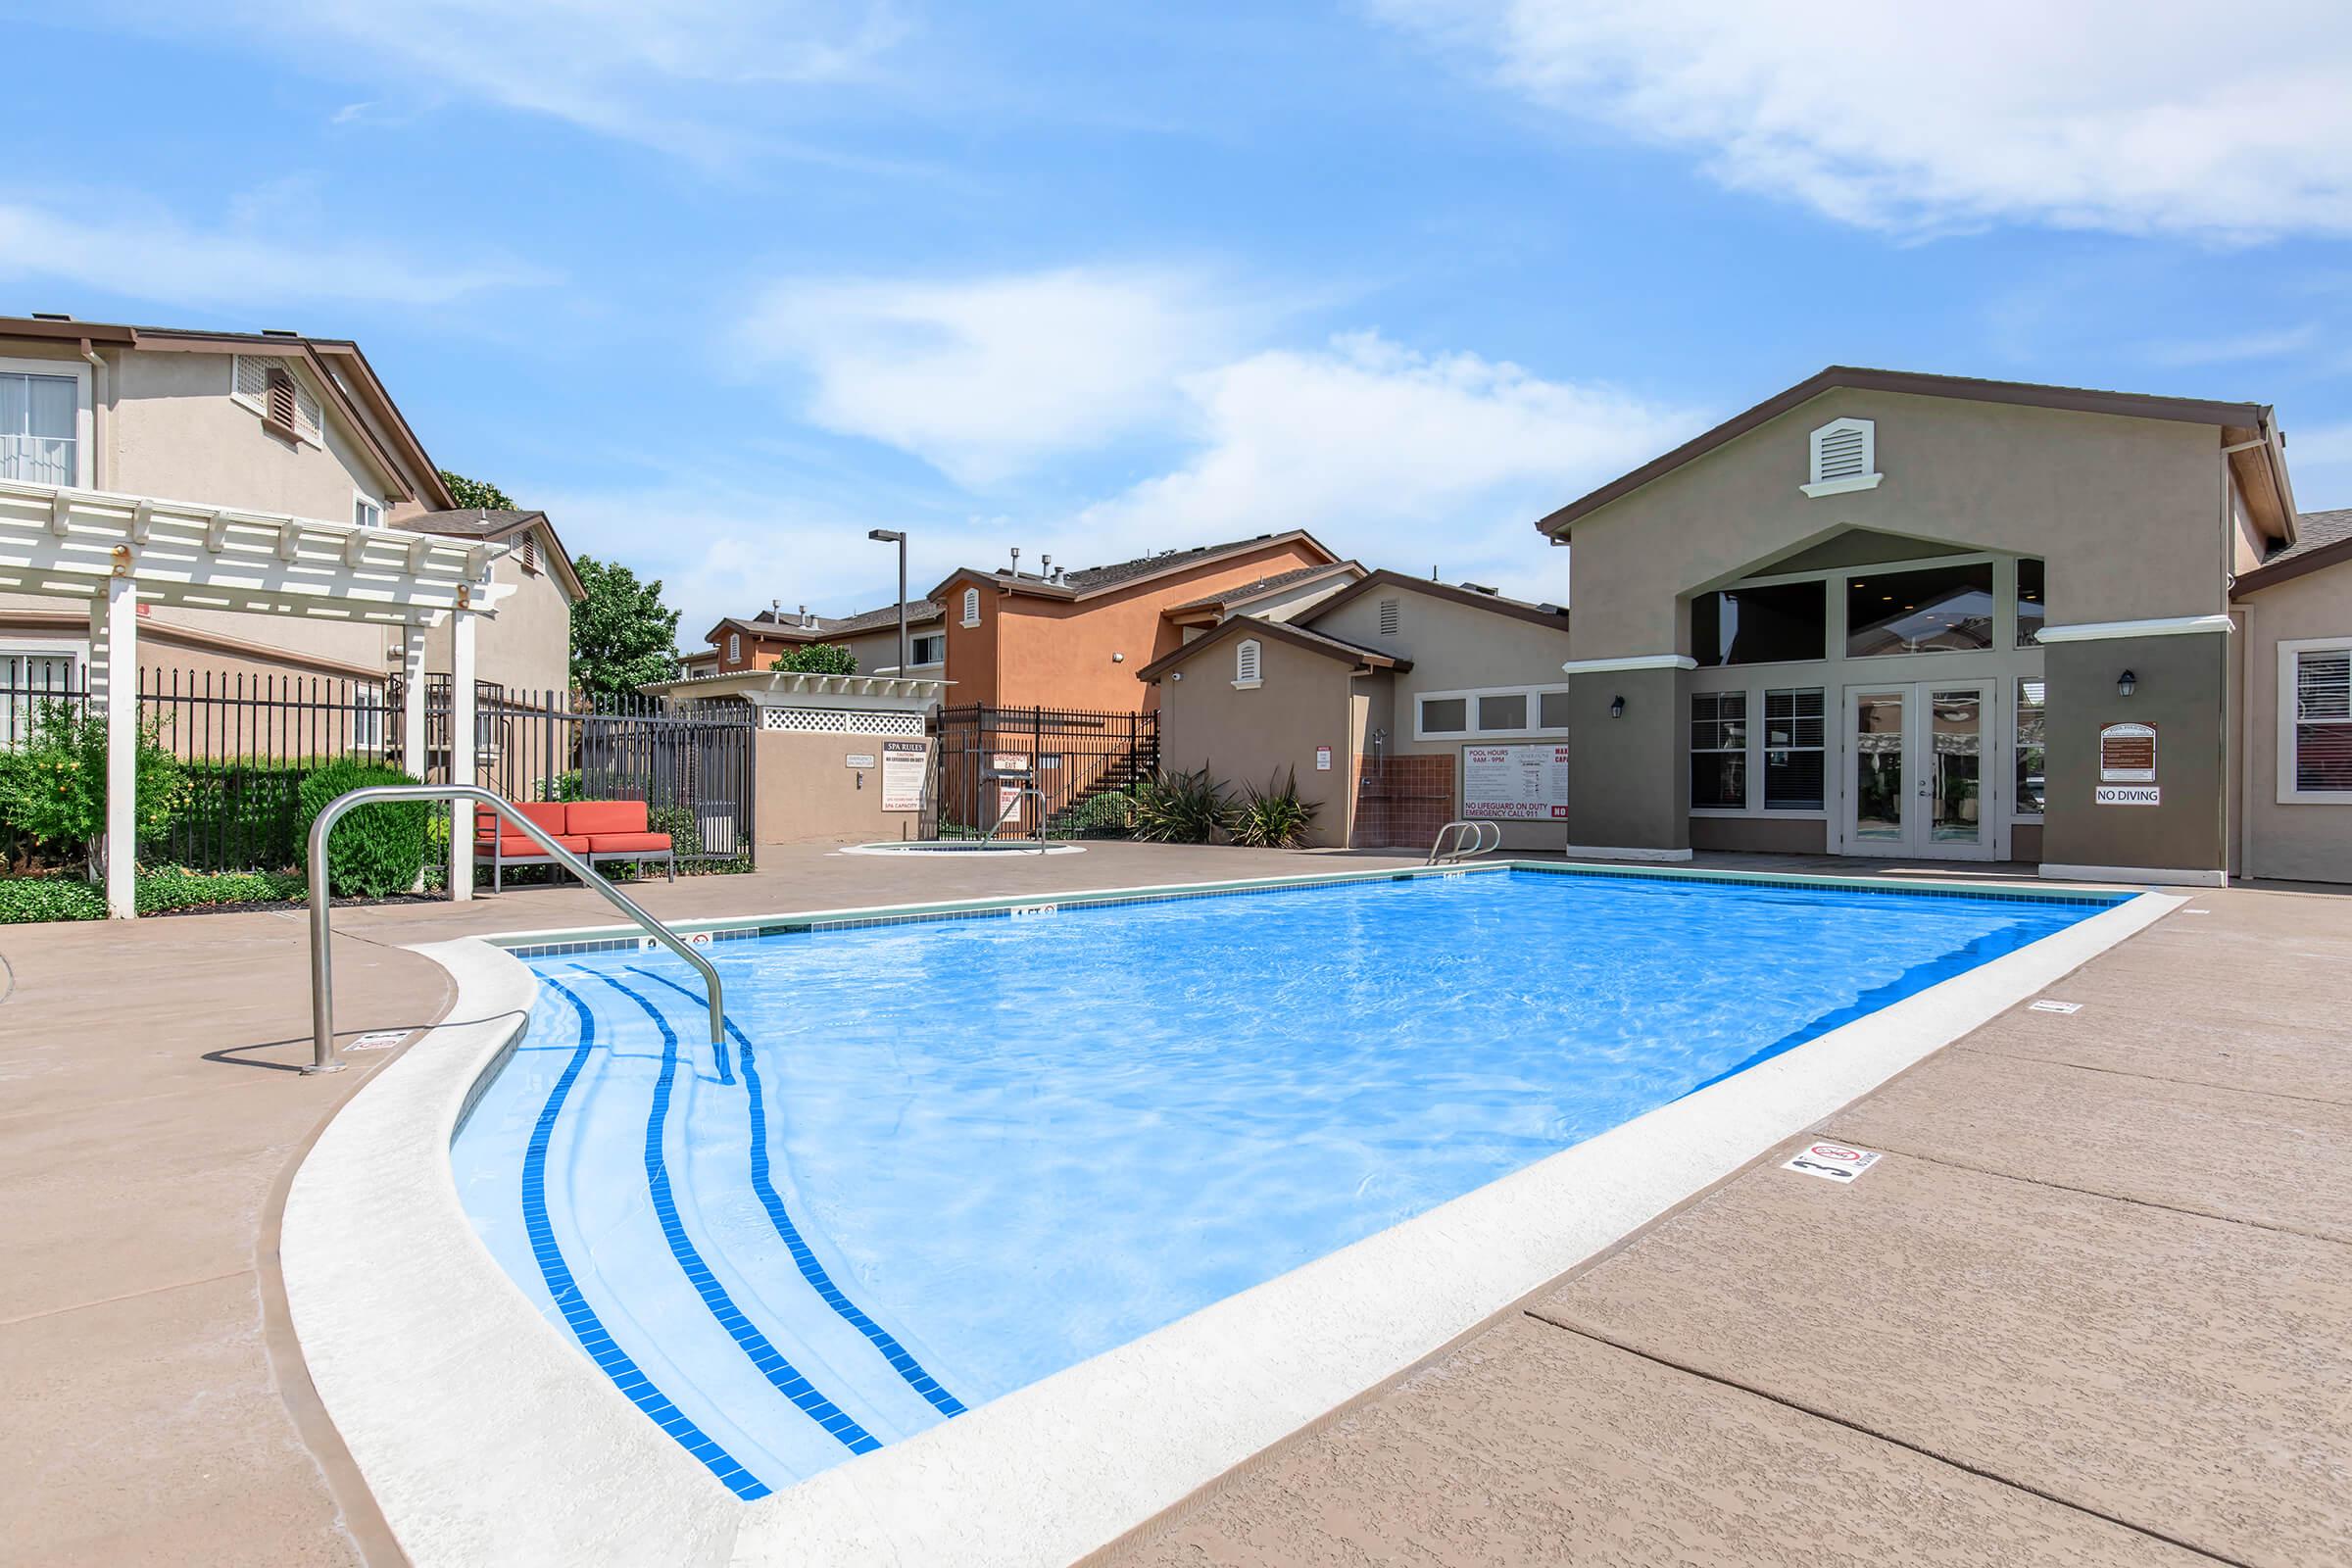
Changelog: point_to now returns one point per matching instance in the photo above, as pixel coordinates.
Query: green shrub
(53, 786)
(1181, 809)
(1272, 818)
(818, 659)
(377, 850)
(240, 816)
(1107, 815)
(27, 898)
(173, 887)
(564, 787)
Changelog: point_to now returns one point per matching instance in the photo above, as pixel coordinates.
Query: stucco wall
(2299, 842)
(526, 647)
(807, 793)
(1303, 702)
(2181, 690)
(2126, 512)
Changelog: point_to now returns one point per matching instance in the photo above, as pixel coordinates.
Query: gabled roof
(493, 522)
(1243, 593)
(777, 626)
(2323, 540)
(1089, 581)
(1553, 616)
(1282, 631)
(2253, 419)
(342, 373)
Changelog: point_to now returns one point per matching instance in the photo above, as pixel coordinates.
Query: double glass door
(1918, 775)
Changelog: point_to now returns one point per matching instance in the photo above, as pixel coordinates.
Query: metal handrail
(323, 978)
(1033, 792)
(1459, 831)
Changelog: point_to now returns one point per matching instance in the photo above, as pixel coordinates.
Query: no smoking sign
(1832, 1162)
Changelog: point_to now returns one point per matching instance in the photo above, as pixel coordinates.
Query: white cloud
(156, 257)
(2129, 114)
(985, 378)
(1402, 459)
(621, 67)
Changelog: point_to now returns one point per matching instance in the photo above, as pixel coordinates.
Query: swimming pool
(940, 1159)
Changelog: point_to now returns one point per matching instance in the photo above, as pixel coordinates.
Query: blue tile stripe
(586, 1326)
(769, 1361)
(902, 1361)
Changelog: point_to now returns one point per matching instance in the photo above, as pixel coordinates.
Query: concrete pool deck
(2143, 1320)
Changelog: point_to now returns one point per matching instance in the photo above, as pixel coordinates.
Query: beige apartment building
(274, 423)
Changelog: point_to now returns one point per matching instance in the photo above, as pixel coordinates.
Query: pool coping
(487, 1437)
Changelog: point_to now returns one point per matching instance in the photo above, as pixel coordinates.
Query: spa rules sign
(1516, 783)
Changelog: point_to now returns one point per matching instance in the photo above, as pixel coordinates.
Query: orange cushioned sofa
(594, 830)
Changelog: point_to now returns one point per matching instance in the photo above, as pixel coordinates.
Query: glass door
(1917, 778)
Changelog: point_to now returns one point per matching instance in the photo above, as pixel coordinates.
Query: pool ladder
(1459, 840)
(323, 974)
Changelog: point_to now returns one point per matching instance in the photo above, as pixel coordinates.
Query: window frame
(1831, 751)
(361, 498)
(1532, 729)
(1745, 751)
(2017, 750)
(86, 455)
(2290, 654)
(915, 649)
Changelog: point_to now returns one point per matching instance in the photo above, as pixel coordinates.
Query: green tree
(477, 493)
(621, 635)
(818, 659)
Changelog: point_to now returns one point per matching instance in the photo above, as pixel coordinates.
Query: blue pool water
(936, 1161)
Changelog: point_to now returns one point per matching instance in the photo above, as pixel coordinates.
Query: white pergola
(115, 552)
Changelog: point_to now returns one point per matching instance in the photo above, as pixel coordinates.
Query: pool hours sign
(1516, 783)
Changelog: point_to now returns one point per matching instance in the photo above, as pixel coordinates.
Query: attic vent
(971, 606)
(271, 388)
(1391, 616)
(1845, 457)
(530, 552)
(1245, 663)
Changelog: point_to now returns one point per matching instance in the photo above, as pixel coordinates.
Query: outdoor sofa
(596, 831)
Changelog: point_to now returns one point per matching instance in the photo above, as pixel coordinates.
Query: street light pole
(895, 536)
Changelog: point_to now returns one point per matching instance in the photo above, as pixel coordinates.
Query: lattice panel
(838, 721)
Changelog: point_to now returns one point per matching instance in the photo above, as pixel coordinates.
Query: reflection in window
(1551, 710)
(2031, 766)
(1793, 755)
(1444, 716)
(1502, 712)
(1719, 751)
(2029, 602)
(1935, 609)
(2323, 734)
(1760, 625)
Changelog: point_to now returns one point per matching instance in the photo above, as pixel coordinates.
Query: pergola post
(114, 689)
(460, 754)
(415, 755)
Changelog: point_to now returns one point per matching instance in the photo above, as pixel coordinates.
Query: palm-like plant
(1180, 808)
(1272, 818)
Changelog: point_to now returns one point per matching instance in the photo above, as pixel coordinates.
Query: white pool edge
(488, 1437)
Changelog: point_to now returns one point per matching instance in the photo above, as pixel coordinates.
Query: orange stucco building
(1075, 639)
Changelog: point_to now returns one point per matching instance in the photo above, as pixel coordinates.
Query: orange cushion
(605, 816)
(628, 842)
(518, 847)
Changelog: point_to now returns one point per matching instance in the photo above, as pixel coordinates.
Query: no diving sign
(1832, 1162)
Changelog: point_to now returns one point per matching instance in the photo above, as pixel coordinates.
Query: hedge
(377, 851)
(27, 898)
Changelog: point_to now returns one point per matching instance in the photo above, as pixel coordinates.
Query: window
(734, 648)
(1929, 611)
(1493, 710)
(930, 649)
(365, 513)
(2031, 760)
(2029, 610)
(1392, 616)
(1761, 625)
(2315, 722)
(1794, 759)
(1444, 716)
(366, 718)
(971, 606)
(271, 388)
(1503, 712)
(1719, 751)
(1845, 457)
(39, 415)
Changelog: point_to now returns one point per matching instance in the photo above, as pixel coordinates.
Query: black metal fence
(247, 742)
(1079, 762)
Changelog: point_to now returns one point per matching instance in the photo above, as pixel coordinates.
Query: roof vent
(1480, 588)
(1845, 454)
(279, 331)
(51, 316)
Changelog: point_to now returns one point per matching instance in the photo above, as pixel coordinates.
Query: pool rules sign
(904, 764)
(1516, 783)
(2128, 766)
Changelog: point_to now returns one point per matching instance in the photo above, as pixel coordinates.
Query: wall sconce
(1118, 658)
(1616, 707)
(2126, 684)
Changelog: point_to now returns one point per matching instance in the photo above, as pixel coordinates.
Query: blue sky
(722, 288)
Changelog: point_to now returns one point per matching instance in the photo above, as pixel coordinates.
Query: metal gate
(1081, 764)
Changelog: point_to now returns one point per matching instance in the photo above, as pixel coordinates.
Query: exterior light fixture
(1616, 707)
(894, 536)
(2126, 684)
(1175, 675)
(1118, 658)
